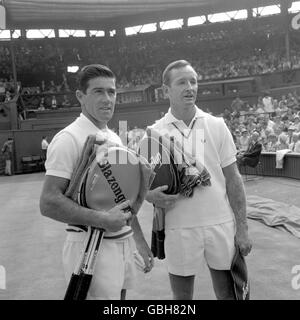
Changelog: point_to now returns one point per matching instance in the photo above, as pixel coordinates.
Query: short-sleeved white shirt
(210, 141)
(66, 146)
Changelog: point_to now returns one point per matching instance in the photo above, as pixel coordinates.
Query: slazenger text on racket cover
(115, 187)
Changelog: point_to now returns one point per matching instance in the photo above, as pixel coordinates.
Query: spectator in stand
(265, 137)
(295, 93)
(270, 122)
(263, 127)
(251, 126)
(236, 137)
(292, 102)
(244, 140)
(286, 124)
(297, 146)
(42, 104)
(8, 96)
(291, 130)
(260, 106)
(227, 114)
(283, 104)
(258, 127)
(278, 111)
(272, 143)
(268, 102)
(292, 145)
(297, 123)
(297, 97)
(65, 102)
(282, 143)
(253, 108)
(237, 104)
(53, 102)
(288, 116)
(278, 125)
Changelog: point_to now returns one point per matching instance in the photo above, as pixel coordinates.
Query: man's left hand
(243, 242)
(146, 253)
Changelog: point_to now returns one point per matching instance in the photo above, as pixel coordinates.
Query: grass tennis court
(30, 247)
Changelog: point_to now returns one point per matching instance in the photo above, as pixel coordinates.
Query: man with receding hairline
(207, 226)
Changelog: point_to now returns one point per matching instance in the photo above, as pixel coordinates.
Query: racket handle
(72, 287)
(83, 286)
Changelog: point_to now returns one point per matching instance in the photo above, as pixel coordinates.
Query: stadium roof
(111, 14)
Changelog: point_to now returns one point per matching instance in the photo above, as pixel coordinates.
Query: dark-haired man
(115, 269)
(207, 226)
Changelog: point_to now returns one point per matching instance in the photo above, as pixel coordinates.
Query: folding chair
(28, 164)
(39, 162)
(257, 169)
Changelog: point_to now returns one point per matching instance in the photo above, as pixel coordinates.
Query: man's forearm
(237, 199)
(65, 210)
(138, 234)
(142, 245)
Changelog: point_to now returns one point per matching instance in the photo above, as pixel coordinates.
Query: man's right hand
(161, 199)
(116, 218)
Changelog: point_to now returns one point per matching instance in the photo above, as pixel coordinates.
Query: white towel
(280, 156)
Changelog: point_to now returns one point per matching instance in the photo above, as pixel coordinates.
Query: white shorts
(114, 269)
(186, 249)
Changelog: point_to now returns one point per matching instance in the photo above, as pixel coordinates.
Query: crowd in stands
(276, 122)
(6, 90)
(6, 94)
(137, 60)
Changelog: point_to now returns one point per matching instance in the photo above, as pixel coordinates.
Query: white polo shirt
(208, 139)
(66, 146)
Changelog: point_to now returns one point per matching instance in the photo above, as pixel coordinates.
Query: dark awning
(111, 14)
